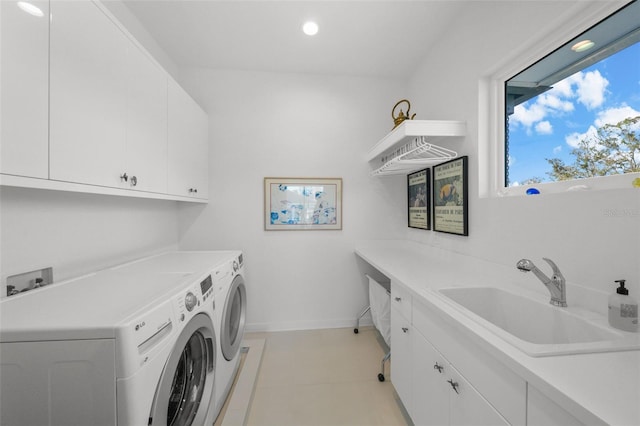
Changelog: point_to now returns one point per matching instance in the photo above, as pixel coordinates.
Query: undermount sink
(535, 327)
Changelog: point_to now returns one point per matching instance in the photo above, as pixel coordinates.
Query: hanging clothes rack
(415, 154)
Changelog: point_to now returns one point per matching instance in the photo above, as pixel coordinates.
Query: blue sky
(550, 125)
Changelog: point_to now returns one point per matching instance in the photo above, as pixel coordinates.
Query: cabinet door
(430, 388)
(188, 145)
(146, 126)
(24, 89)
(467, 406)
(401, 355)
(88, 95)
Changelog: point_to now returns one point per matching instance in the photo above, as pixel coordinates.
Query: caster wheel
(381, 377)
(355, 331)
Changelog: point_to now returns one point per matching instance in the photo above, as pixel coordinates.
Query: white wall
(577, 230)
(79, 233)
(280, 125)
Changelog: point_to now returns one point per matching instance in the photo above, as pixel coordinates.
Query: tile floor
(324, 378)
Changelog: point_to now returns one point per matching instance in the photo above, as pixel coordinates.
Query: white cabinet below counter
(443, 380)
(441, 395)
(401, 334)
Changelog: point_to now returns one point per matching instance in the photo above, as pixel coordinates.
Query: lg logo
(140, 325)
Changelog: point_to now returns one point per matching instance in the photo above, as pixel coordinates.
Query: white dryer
(132, 345)
(230, 312)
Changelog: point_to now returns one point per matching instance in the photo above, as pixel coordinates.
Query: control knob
(190, 301)
(235, 266)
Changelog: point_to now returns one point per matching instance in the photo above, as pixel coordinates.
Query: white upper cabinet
(146, 126)
(89, 72)
(188, 145)
(108, 104)
(85, 108)
(24, 89)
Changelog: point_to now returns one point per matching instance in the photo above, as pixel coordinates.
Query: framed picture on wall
(450, 197)
(419, 199)
(292, 204)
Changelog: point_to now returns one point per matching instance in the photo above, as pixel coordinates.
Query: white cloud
(590, 88)
(544, 128)
(573, 140)
(562, 89)
(557, 149)
(528, 116)
(552, 101)
(615, 115)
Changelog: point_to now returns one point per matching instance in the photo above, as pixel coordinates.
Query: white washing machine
(133, 345)
(231, 306)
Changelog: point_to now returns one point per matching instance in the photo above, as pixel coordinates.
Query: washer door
(233, 316)
(186, 387)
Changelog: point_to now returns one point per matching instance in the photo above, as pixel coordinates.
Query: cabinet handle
(438, 367)
(124, 177)
(405, 329)
(193, 190)
(398, 299)
(454, 385)
(134, 181)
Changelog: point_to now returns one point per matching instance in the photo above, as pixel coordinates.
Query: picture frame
(419, 199)
(292, 204)
(450, 197)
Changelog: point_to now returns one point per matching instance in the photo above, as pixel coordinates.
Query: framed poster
(302, 204)
(419, 198)
(450, 198)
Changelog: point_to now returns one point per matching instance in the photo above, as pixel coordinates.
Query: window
(576, 112)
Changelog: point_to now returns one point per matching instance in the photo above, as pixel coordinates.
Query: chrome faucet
(555, 284)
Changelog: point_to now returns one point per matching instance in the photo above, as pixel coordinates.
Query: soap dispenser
(623, 309)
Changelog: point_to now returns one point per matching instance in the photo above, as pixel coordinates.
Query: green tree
(614, 150)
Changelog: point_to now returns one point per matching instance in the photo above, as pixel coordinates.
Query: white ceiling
(356, 37)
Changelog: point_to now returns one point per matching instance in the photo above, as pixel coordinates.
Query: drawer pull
(405, 329)
(454, 385)
(398, 299)
(438, 367)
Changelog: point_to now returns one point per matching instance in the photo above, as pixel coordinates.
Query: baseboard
(307, 325)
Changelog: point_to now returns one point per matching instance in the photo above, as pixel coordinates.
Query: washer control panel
(206, 287)
(187, 302)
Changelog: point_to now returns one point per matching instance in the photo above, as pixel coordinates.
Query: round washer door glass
(233, 317)
(186, 386)
(188, 382)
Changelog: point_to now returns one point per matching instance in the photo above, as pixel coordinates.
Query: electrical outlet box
(29, 280)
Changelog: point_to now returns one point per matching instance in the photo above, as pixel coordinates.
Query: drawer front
(401, 300)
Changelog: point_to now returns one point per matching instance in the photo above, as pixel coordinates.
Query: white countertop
(595, 387)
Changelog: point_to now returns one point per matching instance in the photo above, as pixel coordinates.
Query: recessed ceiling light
(583, 45)
(310, 28)
(30, 9)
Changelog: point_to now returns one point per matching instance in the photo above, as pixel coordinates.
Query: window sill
(599, 183)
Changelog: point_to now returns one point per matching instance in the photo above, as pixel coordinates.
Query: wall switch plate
(29, 280)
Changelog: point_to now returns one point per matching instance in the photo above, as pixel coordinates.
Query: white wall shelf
(414, 144)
